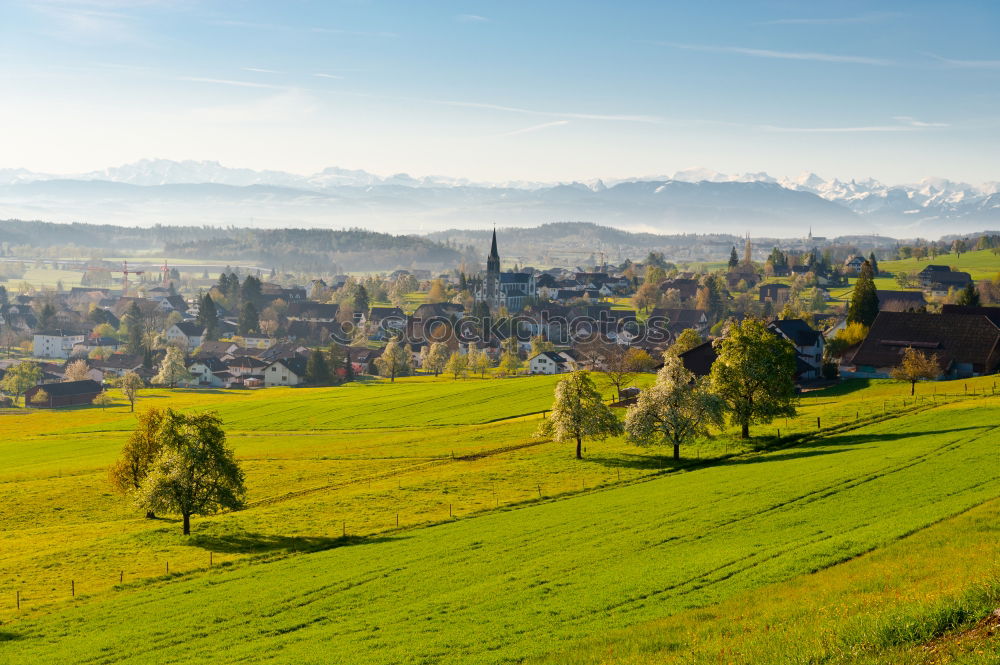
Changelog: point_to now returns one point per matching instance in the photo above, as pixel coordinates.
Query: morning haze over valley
(368, 331)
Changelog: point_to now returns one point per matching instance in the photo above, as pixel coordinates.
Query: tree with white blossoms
(479, 361)
(579, 413)
(674, 410)
(173, 368)
(435, 357)
(395, 360)
(458, 365)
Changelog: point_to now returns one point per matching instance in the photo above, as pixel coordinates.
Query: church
(510, 290)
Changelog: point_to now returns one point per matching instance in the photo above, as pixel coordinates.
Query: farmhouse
(900, 301)
(774, 293)
(285, 372)
(964, 344)
(69, 393)
(314, 312)
(186, 334)
(852, 265)
(808, 343)
(552, 362)
(700, 359)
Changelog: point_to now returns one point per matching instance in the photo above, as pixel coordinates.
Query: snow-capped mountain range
(165, 191)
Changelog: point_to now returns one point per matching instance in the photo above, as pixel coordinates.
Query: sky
(506, 90)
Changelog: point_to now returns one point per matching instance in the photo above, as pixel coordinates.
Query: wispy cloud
(260, 70)
(784, 55)
(913, 122)
(471, 18)
(279, 27)
(966, 64)
(904, 123)
(536, 128)
(231, 82)
(327, 76)
(874, 17)
(555, 114)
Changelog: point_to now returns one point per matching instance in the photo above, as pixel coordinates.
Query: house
(385, 319)
(743, 275)
(678, 320)
(259, 341)
(686, 288)
(942, 283)
(217, 349)
(241, 366)
(56, 343)
(900, 301)
(809, 345)
(285, 372)
(117, 364)
(852, 264)
(964, 344)
(68, 393)
(552, 362)
(363, 359)
(700, 359)
(314, 312)
(92, 343)
(774, 293)
(186, 334)
(209, 372)
(927, 274)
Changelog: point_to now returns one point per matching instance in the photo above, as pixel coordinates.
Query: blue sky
(506, 90)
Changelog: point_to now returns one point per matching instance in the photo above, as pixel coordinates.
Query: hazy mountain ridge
(189, 192)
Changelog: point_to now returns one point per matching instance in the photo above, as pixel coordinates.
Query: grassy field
(982, 264)
(506, 547)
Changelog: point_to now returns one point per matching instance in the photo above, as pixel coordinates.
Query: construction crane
(603, 264)
(125, 273)
(165, 270)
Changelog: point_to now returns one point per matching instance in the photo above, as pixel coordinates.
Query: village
(248, 331)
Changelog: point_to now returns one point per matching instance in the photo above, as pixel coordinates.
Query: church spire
(493, 262)
(493, 249)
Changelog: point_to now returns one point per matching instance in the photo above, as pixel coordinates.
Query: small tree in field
(578, 413)
(457, 365)
(754, 374)
(20, 378)
(510, 364)
(915, 366)
(40, 398)
(195, 472)
(394, 361)
(673, 410)
(436, 358)
(130, 385)
(103, 399)
(479, 361)
(137, 457)
(172, 369)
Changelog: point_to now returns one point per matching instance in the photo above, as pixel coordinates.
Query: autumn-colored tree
(137, 456)
(435, 357)
(395, 360)
(687, 340)
(458, 365)
(916, 365)
(130, 385)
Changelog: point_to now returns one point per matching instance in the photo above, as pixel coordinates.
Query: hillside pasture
(531, 551)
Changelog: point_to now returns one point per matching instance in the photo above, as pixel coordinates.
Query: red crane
(165, 270)
(125, 273)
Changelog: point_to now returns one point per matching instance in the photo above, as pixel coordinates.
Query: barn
(70, 393)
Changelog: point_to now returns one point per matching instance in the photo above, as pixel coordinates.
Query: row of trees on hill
(752, 381)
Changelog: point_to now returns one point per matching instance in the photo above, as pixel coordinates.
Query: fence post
(817, 422)
(121, 576)
(72, 588)
(209, 559)
(344, 531)
(397, 519)
(17, 595)
(449, 510)
(540, 489)
(168, 567)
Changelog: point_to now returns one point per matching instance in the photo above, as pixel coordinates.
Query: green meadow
(422, 521)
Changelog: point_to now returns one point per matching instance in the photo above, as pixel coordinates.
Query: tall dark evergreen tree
(734, 258)
(249, 321)
(864, 301)
(136, 341)
(251, 291)
(872, 260)
(317, 370)
(208, 316)
(360, 301)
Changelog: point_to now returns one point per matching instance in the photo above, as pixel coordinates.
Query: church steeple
(493, 262)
